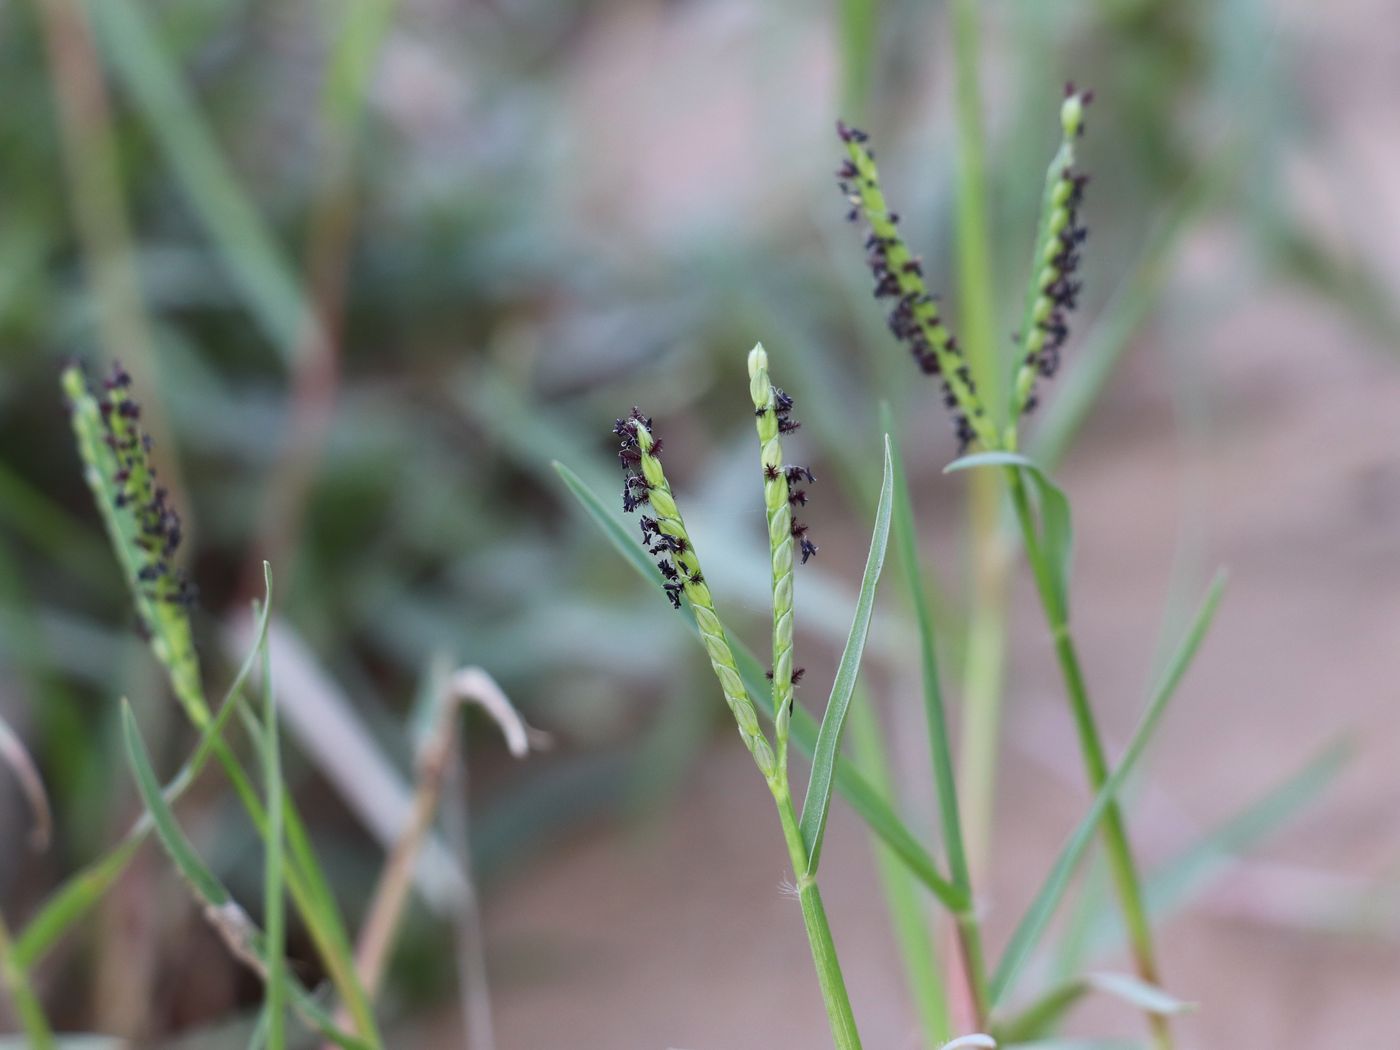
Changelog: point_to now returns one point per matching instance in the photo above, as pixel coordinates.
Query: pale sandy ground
(682, 936)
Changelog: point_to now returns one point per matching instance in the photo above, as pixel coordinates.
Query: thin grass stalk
(1116, 845)
(93, 173)
(274, 911)
(911, 926)
(829, 977)
(940, 750)
(985, 657)
(26, 1003)
(315, 377)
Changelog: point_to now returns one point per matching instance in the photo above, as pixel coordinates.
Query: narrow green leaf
(1038, 1019)
(80, 892)
(218, 904)
(205, 885)
(258, 264)
(854, 787)
(817, 804)
(908, 917)
(1137, 992)
(1177, 880)
(27, 1009)
(906, 537)
(1033, 924)
(274, 908)
(1056, 533)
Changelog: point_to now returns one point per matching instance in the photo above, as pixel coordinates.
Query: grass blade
(1038, 1019)
(906, 538)
(1033, 924)
(27, 1008)
(82, 891)
(229, 920)
(274, 919)
(258, 265)
(908, 920)
(817, 804)
(1178, 879)
(854, 787)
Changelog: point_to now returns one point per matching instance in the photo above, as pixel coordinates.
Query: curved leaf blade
(817, 804)
(1037, 918)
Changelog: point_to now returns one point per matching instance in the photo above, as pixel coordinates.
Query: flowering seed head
(913, 315)
(1054, 286)
(664, 535)
(786, 535)
(141, 519)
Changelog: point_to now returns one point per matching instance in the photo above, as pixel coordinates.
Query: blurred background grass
(376, 264)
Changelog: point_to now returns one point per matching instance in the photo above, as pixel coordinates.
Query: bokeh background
(516, 219)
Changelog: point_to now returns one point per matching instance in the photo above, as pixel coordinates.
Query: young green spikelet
(145, 529)
(664, 534)
(914, 318)
(786, 535)
(1054, 291)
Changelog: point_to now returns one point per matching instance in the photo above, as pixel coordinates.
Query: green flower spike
(786, 534)
(1053, 292)
(665, 535)
(914, 319)
(144, 528)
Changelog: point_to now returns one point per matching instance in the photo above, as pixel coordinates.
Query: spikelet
(1054, 288)
(914, 317)
(664, 534)
(773, 416)
(144, 528)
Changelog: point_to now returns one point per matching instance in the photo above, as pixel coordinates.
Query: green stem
(928, 985)
(986, 651)
(833, 984)
(1116, 845)
(27, 1008)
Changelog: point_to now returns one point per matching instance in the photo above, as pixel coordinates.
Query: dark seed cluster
(159, 531)
(634, 486)
(1062, 288)
(797, 674)
(636, 490)
(1059, 285)
(913, 315)
(782, 408)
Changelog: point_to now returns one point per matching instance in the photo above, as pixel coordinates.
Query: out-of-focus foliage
(555, 208)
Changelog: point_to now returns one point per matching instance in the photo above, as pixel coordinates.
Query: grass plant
(1019, 993)
(1042, 514)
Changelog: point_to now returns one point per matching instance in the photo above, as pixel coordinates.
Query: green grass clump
(664, 535)
(990, 434)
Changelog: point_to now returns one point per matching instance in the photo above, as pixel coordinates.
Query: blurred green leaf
(817, 803)
(238, 233)
(1037, 917)
(229, 920)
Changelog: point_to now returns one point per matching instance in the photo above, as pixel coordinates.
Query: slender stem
(940, 751)
(829, 977)
(975, 964)
(26, 1003)
(984, 671)
(928, 982)
(1116, 845)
